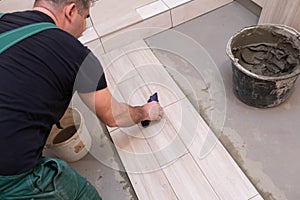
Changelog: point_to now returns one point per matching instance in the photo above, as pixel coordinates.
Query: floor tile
(134, 91)
(119, 15)
(191, 183)
(153, 73)
(15, 5)
(175, 3)
(152, 185)
(96, 47)
(257, 197)
(140, 55)
(164, 142)
(217, 158)
(119, 65)
(151, 9)
(88, 35)
(134, 151)
(187, 122)
(137, 31)
(158, 80)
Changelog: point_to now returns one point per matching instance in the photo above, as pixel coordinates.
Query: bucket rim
(74, 136)
(229, 53)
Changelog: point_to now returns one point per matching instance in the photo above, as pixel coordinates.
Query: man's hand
(153, 110)
(113, 113)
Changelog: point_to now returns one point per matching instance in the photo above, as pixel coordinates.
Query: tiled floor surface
(172, 152)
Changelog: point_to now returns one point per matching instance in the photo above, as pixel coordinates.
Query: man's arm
(113, 113)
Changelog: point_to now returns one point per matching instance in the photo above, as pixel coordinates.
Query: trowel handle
(154, 97)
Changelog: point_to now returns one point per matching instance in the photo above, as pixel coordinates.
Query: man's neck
(47, 12)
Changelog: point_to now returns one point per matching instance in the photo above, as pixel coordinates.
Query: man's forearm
(114, 113)
(125, 115)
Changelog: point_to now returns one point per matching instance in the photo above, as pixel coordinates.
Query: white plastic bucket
(72, 142)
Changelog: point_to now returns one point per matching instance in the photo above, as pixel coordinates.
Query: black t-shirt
(38, 77)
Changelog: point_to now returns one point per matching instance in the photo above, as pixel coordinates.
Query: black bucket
(265, 63)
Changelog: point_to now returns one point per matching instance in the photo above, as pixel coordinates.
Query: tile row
(178, 151)
(129, 21)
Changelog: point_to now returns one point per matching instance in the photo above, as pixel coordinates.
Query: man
(38, 77)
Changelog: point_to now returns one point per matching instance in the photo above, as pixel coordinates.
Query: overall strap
(10, 38)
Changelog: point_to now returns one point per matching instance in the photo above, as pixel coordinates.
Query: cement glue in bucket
(265, 64)
(72, 142)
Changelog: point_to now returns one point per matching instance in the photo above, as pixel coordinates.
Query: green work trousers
(50, 179)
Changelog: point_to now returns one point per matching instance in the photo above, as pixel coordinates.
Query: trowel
(154, 97)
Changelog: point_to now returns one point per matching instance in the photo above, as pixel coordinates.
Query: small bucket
(72, 142)
(265, 64)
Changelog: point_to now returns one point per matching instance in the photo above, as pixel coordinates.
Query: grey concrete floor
(264, 142)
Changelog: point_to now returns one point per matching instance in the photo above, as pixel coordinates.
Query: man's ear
(70, 11)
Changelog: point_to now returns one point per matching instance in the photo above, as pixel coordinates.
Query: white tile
(119, 65)
(96, 47)
(140, 30)
(139, 44)
(152, 185)
(220, 169)
(188, 181)
(134, 152)
(111, 15)
(257, 197)
(152, 9)
(158, 80)
(111, 129)
(88, 22)
(154, 74)
(164, 141)
(15, 5)
(134, 91)
(141, 56)
(88, 35)
(168, 92)
(175, 3)
(188, 123)
(109, 57)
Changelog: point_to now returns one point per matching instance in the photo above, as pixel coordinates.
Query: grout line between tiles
(207, 179)
(136, 69)
(257, 195)
(166, 4)
(99, 37)
(171, 17)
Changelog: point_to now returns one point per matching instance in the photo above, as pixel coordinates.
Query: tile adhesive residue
(274, 59)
